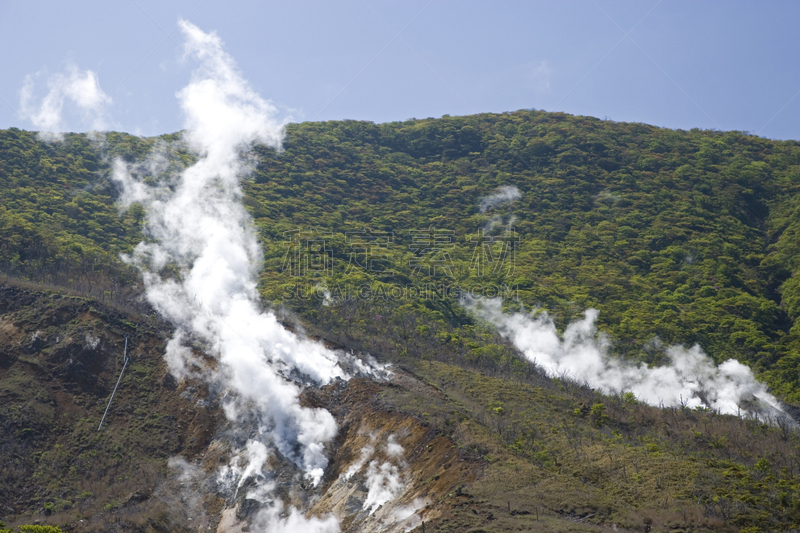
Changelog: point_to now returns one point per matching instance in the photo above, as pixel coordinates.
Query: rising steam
(199, 267)
(504, 195)
(582, 354)
(80, 88)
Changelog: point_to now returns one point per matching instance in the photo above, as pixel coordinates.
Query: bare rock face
(156, 464)
(388, 470)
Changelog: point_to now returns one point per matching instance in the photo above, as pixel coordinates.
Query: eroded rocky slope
(155, 463)
(430, 445)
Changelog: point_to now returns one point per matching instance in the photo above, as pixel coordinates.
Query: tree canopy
(685, 236)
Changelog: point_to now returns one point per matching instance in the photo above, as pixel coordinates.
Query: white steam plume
(384, 483)
(383, 480)
(200, 231)
(272, 521)
(358, 464)
(504, 195)
(393, 448)
(691, 379)
(81, 88)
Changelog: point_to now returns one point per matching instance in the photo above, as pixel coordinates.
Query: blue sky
(711, 65)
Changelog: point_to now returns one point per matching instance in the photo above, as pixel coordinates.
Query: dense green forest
(685, 236)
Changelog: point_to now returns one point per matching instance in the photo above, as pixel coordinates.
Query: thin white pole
(117, 385)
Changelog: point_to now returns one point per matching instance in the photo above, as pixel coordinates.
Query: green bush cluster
(31, 529)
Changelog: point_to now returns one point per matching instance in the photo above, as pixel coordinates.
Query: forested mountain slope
(685, 236)
(371, 234)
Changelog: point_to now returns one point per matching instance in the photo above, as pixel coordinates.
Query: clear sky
(679, 64)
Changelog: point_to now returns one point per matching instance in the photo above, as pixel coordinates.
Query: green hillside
(688, 236)
(682, 236)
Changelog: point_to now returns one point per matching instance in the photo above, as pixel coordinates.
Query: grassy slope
(60, 357)
(552, 451)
